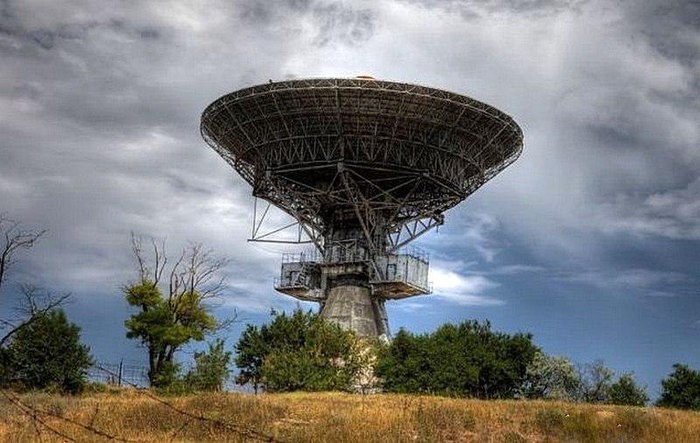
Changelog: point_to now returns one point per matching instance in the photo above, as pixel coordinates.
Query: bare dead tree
(195, 284)
(14, 238)
(196, 271)
(35, 301)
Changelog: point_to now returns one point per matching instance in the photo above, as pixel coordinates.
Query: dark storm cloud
(649, 116)
(671, 26)
(100, 108)
(49, 34)
(99, 112)
(120, 94)
(479, 8)
(96, 142)
(334, 21)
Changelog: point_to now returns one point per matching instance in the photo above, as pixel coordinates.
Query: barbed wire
(38, 415)
(34, 414)
(239, 429)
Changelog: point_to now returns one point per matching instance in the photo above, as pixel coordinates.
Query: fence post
(121, 364)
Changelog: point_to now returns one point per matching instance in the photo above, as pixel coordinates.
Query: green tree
(681, 389)
(596, 380)
(551, 377)
(48, 353)
(251, 350)
(35, 303)
(167, 320)
(626, 392)
(400, 365)
(302, 351)
(468, 359)
(211, 368)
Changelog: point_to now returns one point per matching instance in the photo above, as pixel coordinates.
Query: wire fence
(123, 373)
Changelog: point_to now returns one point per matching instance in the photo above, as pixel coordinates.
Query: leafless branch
(13, 239)
(226, 324)
(35, 303)
(176, 277)
(137, 249)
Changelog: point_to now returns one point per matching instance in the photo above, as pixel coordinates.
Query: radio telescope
(364, 167)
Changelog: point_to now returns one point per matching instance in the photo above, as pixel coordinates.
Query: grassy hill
(334, 417)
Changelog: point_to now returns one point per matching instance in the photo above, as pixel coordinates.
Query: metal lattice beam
(393, 154)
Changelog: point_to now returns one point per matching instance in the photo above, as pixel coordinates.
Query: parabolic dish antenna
(364, 166)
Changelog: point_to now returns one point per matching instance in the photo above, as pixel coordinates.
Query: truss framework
(261, 233)
(377, 160)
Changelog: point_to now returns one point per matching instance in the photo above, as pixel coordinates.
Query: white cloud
(462, 289)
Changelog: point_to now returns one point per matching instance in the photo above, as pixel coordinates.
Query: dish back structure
(364, 167)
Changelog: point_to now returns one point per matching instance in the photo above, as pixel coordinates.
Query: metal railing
(341, 253)
(301, 257)
(280, 283)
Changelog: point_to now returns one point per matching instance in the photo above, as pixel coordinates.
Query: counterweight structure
(364, 167)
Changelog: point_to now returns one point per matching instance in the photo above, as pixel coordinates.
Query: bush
(681, 389)
(299, 352)
(47, 354)
(211, 368)
(465, 360)
(596, 380)
(626, 392)
(551, 377)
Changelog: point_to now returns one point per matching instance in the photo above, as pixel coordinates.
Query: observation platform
(391, 276)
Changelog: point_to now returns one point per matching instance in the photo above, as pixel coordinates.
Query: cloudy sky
(591, 240)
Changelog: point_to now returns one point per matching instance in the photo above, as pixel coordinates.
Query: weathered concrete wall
(352, 308)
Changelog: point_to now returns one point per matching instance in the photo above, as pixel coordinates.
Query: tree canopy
(681, 389)
(596, 380)
(167, 319)
(164, 325)
(551, 377)
(301, 351)
(211, 368)
(625, 391)
(48, 353)
(468, 359)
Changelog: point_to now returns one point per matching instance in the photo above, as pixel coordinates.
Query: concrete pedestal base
(352, 307)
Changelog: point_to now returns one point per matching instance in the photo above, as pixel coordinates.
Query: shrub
(48, 354)
(465, 360)
(681, 389)
(302, 351)
(551, 377)
(211, 368)
(626, 392)
(596, 380)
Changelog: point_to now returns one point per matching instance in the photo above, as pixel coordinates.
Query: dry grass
(336, 417)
